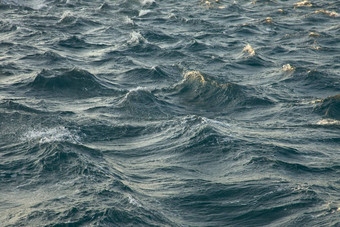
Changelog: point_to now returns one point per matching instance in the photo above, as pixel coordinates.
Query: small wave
(8, 69)
(136, 38)
(72, 20)
(330, 107)
(65, 81)
(128, 20)
(74, 42)
(293, 167)
(133, 201)
(157, 36)
(138, 44)
(202, 91)
(208, 94)
(141, 103)
(11, 105)
(316, 79)
(31, 4)
(48, 57)
(6, 27)
(247, 29)
(105, 6)
(147, 75)
(48, 135)
(67, 18)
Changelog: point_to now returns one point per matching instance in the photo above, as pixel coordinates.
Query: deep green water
(169, 113)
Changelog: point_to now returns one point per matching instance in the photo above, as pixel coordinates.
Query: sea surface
(169, 113)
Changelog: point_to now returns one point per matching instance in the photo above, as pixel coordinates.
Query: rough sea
(169, 113)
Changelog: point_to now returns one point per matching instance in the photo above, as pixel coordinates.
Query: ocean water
(169, 113)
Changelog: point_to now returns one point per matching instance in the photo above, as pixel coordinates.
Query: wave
(70, 82)
(198, 90)
(318, 80)
(330, 107)
(237, 203)
(138, 44)
(48, 135)
(158, 36)
(6, 27)
(155, 73)
(75, 42)
(8, 69)
(11, 105)
(68, 20)
(151, 77)
(207, 94)
(46, 58)
(30, 5)
(294, 168)
(141, 103)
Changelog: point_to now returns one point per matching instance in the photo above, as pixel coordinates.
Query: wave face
(169, 113)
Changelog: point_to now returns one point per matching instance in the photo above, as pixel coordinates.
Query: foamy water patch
(136, 38)
(328, 121)
(287, 68)
(128, 20)
(304, 3)
(147, 2)
(47, 135)
(144, 12)
(326, 12)
(134, 201)
(249, 49)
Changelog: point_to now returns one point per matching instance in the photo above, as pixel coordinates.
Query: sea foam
(48, 135)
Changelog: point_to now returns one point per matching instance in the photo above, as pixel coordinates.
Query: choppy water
(169, 113)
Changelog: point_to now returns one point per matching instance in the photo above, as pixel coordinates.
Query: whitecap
(37, 4)
(328, 121)
(287, 68)
(66, 17)
(136, 38)
(329, 13)
(144, 2)
(304, 3)
(143, 12)
(128, 20)
(133, 201)
(249, 49)
(47, 135)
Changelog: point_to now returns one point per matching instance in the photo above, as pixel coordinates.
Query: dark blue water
(169, 113)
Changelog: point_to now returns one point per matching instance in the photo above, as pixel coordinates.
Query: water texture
(169, 113)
